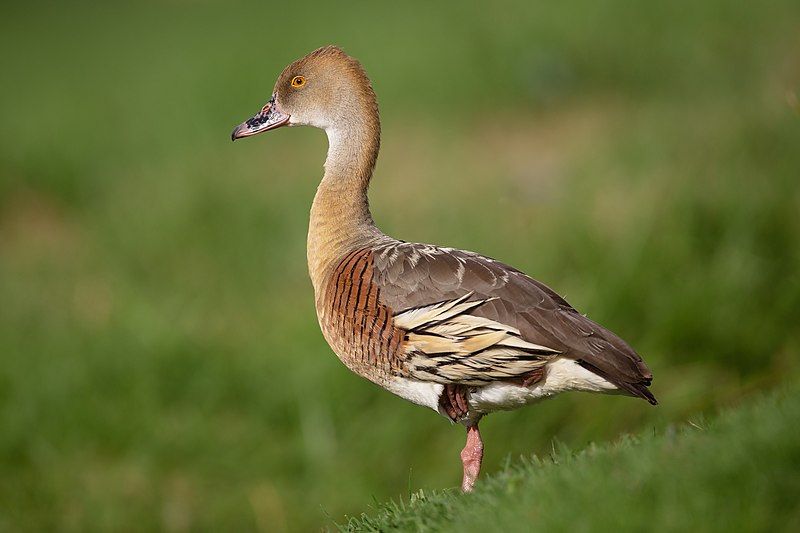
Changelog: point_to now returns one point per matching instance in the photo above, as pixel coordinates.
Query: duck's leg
(471, 457)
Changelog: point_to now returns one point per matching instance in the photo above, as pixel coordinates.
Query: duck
(452, 330)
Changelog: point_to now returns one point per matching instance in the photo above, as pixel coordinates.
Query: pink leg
(471, 457)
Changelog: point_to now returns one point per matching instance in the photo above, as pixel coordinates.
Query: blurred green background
(160, 361)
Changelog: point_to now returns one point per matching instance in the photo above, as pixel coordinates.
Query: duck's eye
(298, 81)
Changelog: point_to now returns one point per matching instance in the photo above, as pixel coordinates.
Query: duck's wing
(472, 320)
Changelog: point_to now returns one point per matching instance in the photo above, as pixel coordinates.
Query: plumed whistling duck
(448, 329)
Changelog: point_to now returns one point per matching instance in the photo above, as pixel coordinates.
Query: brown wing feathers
(416, 275)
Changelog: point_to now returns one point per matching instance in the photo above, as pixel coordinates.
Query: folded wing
(472, 320)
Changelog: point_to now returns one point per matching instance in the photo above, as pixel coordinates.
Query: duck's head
(327, 89)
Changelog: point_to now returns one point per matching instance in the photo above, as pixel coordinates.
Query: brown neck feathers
(340, 215)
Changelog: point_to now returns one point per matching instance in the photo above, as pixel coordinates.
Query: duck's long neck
(340, 216)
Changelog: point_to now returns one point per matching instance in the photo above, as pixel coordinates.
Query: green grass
(740, 472)
(160, 361)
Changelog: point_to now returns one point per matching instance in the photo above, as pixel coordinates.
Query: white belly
(424, 393)
(561, 375)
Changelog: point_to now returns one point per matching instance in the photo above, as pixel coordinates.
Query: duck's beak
(269, 118)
